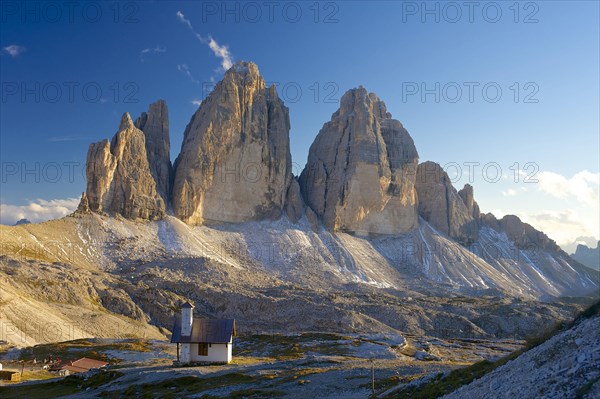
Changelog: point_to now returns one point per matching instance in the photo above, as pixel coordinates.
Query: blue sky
(107, 59)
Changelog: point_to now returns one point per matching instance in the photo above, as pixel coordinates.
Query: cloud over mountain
(38, 210)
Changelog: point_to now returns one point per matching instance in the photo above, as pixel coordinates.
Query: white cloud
(14, 50)
(182, 18)
(155, 50)
(589, 241)
(564, 226)
(583, 186)
(38, 210)
(498, 213)
(73, 137)
(196, 102)
(221, 51)
(186, 71)
(564, 207)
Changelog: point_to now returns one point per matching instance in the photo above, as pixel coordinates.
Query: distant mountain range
(588, 256)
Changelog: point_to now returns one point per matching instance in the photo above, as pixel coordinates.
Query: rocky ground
(565, 366)
(287, 366)
(95, 276)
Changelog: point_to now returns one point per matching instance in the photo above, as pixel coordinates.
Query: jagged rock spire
(83, 206)
(443, 207)
(126, 122)
(155, 125)
(119, 180)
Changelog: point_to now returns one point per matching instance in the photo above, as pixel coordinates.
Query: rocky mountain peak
(588, 256)
(359, 99)
(244, 68)
(126, 122)
(469, 200)
(361, 169)
(155, 125)
(119, 180)
(235, 160)
(522, 234)
(443, 207)
(241, 75)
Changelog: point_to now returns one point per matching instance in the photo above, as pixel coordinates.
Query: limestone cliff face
(443, 207)
(155, 125)
(361, 169)
(119, 180)
(469, 200)
(235, 162)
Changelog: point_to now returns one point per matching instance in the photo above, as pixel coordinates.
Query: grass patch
(56, 389)
(323, 337)
(248, 360)
(296, 374)
(73, 350)
(248, 393)
(180, 387)
(442, 385)
(38, 391)
(32, 252)
(291, 347)
(255, 393)
(329, 348)
(384, 384)
(356, 377)
(291, 352)
(387, 383)
(591, 311)
(279, 347)
(584, 389)
(37, 375)
(309, 371)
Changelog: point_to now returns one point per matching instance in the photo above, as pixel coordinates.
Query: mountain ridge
(375, 241)
(588, 256)
(259, 272)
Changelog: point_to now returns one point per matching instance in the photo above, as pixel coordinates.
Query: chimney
(187, 318)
